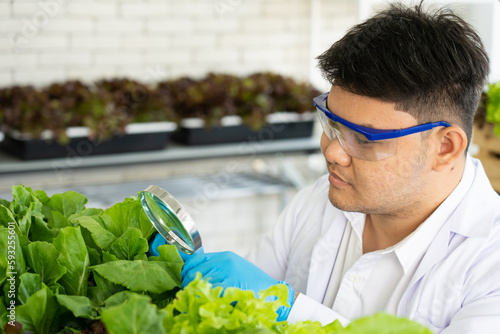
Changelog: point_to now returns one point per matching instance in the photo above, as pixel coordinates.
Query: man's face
(394, 185)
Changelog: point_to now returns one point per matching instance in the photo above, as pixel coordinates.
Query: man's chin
(340, 202)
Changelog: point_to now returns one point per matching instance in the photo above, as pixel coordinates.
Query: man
(405, 221)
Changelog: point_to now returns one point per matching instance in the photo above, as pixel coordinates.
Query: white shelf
(175, 152)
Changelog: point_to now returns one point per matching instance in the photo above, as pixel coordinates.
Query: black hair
(432, 66)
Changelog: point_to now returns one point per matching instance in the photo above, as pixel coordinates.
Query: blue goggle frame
(371, 133)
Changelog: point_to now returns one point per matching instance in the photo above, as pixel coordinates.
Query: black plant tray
(137, 137)
(34, 149)
(242, 133)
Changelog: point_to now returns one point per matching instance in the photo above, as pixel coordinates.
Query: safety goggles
(361, 142)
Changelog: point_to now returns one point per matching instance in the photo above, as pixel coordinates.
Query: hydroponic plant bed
(136, 138)
(193, 131)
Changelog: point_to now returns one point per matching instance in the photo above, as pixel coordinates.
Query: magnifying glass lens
(170, 219)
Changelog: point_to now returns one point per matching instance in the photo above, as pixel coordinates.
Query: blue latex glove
(227, 269)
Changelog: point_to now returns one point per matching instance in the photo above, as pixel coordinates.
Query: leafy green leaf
(29, 284)
(129, 245)
(139, 275)
(87, 212)
(135, 315)
(67, 203)
(102, 237)
(39, 312)
(102, 290)
(259, 331)
(42, 196)
(141, 256)
(6, 216)
(3, 268)
(25, 206)
(384, 323)
(129, 213)
(75, 258)
(6, 219)
(58, 208)
(3, 315)
(170, 255)
(118, 298)
(108, 257)
(4, 202)
(24, 220)
(23, 197)
(94, 256)
(58, 220)
(42, 259)
(333, 326)
(80, 306)
(27, 210)
(40, 231)
(113, 226)
(163, 299)
(493, 107)
(9, 241)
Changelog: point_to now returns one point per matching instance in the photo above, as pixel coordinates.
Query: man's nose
(334, 152)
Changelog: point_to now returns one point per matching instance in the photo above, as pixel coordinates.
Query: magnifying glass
(170, 219)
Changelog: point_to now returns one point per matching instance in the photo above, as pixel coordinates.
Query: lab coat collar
(480, 195)
(466, 220)
(415, 245)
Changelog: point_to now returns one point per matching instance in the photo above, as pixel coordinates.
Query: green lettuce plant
(493, 106)
(488, 111)
(66, 268)
(71, 263)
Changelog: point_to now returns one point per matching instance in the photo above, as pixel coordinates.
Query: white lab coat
(455, 289)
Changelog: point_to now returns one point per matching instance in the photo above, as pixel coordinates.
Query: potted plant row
(486, 134)
(224, 108)
(113, 115)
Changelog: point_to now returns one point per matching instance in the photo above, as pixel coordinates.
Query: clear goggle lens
(355, 144)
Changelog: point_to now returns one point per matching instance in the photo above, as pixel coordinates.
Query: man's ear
(451, 144)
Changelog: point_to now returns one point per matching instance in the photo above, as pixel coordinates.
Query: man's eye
(361, 140)
(333, 124)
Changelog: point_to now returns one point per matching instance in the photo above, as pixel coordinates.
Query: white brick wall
(42, 76)
(87, 9)
(44, 40)
(49, 43)
(336, 17)
(93, 43)
(139, 10)
(174, 25)
(4, 10)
